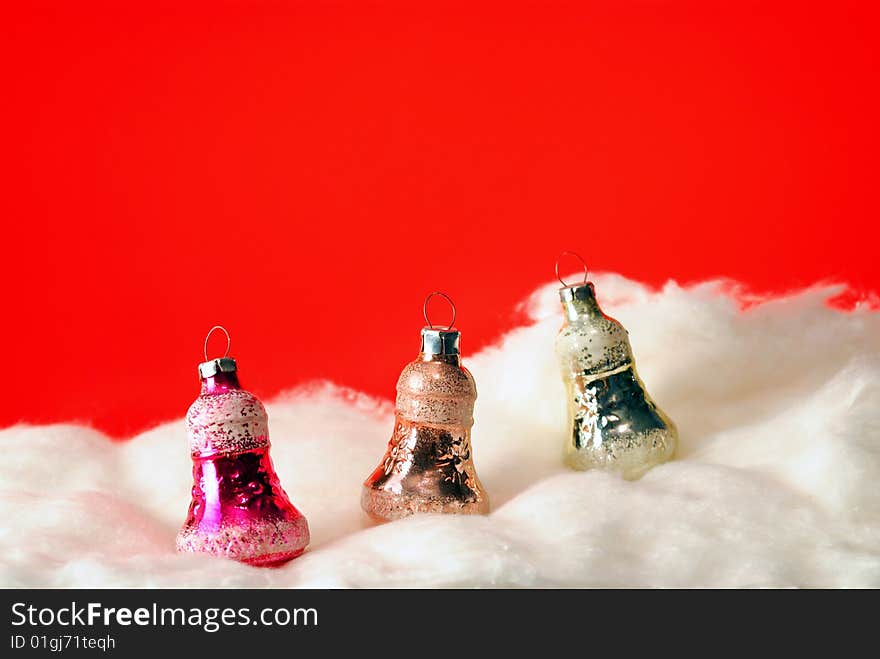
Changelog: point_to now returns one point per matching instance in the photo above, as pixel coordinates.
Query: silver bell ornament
(612, 422)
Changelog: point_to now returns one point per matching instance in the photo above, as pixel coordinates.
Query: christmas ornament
(428, 466)
(612, 422)
(238, 508)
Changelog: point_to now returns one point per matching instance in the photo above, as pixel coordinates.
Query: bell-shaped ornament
(612, 422)
(428, 466)
(238, 508)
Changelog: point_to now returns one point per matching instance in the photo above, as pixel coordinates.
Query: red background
(305, 174)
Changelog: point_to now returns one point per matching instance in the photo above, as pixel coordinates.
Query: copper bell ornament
(428, 467)
(238, 508)
(612, 422)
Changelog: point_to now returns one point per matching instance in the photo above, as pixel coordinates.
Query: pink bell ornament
(428, 466)
(238, 508)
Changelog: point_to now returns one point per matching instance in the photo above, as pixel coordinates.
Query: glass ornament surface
(612, 422)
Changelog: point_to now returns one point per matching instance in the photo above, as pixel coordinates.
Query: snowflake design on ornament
(457, 453)
(589, 422)
(399, 453)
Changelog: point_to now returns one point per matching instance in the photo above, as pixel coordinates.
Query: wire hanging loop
(228, 340)
(578, 257)
(425, 310)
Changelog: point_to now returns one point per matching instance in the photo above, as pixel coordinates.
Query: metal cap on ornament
(442, 343)
(222, 365)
